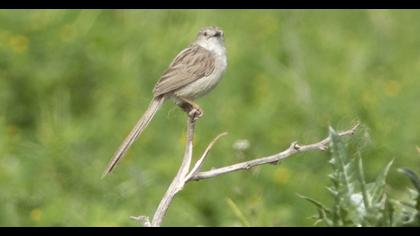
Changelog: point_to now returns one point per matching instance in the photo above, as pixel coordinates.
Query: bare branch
(200, 162)
(178, 182)
(184, 175)
(294, 148)
(144, 220)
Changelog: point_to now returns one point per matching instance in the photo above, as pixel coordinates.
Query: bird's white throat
(217, 47)
(213, 45)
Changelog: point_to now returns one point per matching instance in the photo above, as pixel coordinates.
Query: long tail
(141, 125)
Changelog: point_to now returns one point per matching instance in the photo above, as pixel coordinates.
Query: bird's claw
(195, 113)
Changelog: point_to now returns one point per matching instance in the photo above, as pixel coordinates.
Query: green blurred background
(74, 82)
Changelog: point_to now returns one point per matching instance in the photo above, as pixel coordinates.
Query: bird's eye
(205, 34)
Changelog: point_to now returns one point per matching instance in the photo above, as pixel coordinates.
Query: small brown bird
(194, 72)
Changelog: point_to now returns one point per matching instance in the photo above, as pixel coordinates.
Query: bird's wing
(190, 64)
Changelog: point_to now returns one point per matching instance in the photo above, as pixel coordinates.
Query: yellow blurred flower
(281, 175)
(369, 99)
(392, 88)
(36, 214)
(262, 87)
(268, 24)
(19, 43)
(67, 33)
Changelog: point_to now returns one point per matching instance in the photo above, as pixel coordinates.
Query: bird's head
(210, 36)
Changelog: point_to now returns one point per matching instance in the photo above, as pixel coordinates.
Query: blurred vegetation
(74, 82)
(361, 203)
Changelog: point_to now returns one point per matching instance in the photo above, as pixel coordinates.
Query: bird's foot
(192, 109)
(195, 113)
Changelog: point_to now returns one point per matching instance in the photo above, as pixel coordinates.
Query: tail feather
(154, 106)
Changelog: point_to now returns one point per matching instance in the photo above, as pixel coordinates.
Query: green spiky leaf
(378, 188)
(414, 178)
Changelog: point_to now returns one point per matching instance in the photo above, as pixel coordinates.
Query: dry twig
(185, 175)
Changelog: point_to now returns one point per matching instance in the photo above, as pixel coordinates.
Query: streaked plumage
(193, 73)
(190, 64)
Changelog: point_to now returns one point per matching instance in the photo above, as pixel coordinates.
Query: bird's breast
(204, 85)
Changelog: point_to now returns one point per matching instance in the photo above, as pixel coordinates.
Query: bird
(195, 71)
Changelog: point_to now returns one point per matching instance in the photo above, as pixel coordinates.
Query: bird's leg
(191, 108)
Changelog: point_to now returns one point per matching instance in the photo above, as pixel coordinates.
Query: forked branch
(185, 175)
(293, 149)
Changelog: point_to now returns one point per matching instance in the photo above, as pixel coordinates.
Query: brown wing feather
(191, 64)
